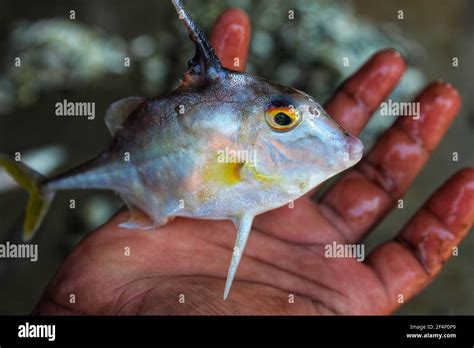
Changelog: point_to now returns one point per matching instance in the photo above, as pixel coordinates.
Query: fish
(223, 145)
(45, 159)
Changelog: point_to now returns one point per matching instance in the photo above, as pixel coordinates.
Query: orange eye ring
(282, 118)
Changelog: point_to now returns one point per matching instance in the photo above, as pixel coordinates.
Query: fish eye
(282, 117)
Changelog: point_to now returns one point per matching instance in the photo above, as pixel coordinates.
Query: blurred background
(79, 56)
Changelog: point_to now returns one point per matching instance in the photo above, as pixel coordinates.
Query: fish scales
(223, 145)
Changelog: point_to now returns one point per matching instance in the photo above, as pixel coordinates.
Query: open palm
(181, 267)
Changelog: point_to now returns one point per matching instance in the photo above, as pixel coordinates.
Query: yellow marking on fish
(223, 173)
(266, 179)
(37, 203)
(230, 173)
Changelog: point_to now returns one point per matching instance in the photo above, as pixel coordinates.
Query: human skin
(284, 257)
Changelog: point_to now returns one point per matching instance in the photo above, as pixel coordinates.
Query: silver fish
(223, 145)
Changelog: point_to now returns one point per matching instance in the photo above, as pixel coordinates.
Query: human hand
(285, 252)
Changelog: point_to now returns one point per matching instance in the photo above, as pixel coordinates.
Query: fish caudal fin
(38, 202)
(243, 225)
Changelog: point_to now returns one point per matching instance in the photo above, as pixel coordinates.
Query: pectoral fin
(243, 225)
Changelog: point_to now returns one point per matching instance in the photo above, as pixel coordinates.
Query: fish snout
(355, 149)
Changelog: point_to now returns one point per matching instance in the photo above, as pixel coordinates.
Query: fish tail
(38, 202)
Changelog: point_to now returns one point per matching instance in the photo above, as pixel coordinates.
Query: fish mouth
(355, 149)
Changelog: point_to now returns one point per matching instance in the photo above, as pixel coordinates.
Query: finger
(364, 195)
(410, 262)
(295, 223)
(356, 100)
(230, 38)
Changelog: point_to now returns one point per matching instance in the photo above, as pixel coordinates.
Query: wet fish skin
(169, 149)
(164, 158)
